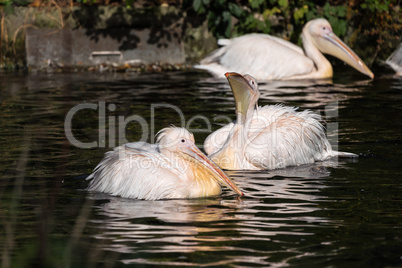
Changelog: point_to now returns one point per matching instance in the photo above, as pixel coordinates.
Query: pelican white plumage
(270, 58)
(172, 169)
(268, 137)
(395, 60)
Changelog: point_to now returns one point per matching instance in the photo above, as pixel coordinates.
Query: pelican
(271, 58)
(395, 60)
(269, 137)
(173, 168)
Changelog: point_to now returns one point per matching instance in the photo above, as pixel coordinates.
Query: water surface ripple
(328, 214)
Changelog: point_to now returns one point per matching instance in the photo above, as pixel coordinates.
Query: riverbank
(150, 37)
(101, 38)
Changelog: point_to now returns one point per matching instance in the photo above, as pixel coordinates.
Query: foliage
(8, 5)
(362, 21)
(374, 22)
(379, 21)
(336, 16)
(86, 2)
(259, 15)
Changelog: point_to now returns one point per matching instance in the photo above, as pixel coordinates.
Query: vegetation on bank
(376, 20)
(371, 27)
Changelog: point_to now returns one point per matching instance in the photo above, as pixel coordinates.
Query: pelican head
(180, 143)
(327, 42)
(246, 94)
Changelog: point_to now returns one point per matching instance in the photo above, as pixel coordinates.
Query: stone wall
(38, 37)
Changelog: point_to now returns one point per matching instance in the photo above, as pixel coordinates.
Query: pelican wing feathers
(137, 170)
(284, 137)
(265, 57)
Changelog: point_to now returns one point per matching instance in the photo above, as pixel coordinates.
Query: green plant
(363, 24)
(336, 16)
(257, 16)
(380, 24)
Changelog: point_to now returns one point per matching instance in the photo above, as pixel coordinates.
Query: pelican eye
(183, 140)
(252, 84)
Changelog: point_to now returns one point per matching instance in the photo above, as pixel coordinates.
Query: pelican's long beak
(215, 171)
(332, 45)
(244, 96)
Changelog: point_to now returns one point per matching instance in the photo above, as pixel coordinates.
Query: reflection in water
(305, 93)
(158, 227)
(278, 204)
(311, 95)
(173, 211)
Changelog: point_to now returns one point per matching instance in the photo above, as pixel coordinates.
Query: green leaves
(336, 16)
(8, 7)
(373, 18)
(375, 5)
(235, 10)
(299, 13)
(255, 4)
(283, 3)
(198, 6)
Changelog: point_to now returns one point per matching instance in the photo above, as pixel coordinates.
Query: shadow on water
(331, 213)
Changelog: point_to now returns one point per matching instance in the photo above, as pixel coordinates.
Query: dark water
(331, 214)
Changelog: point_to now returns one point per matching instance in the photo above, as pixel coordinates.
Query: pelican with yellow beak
(269, 137)
(174, 168)
(270, 58)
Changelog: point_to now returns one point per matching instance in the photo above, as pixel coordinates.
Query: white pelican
(395, 60)
(268, 137)
(173, 168)
(270, 58)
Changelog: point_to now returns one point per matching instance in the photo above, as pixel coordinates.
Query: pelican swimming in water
(172, 169)
(268, 137)
(395, 60)
(270, 58)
